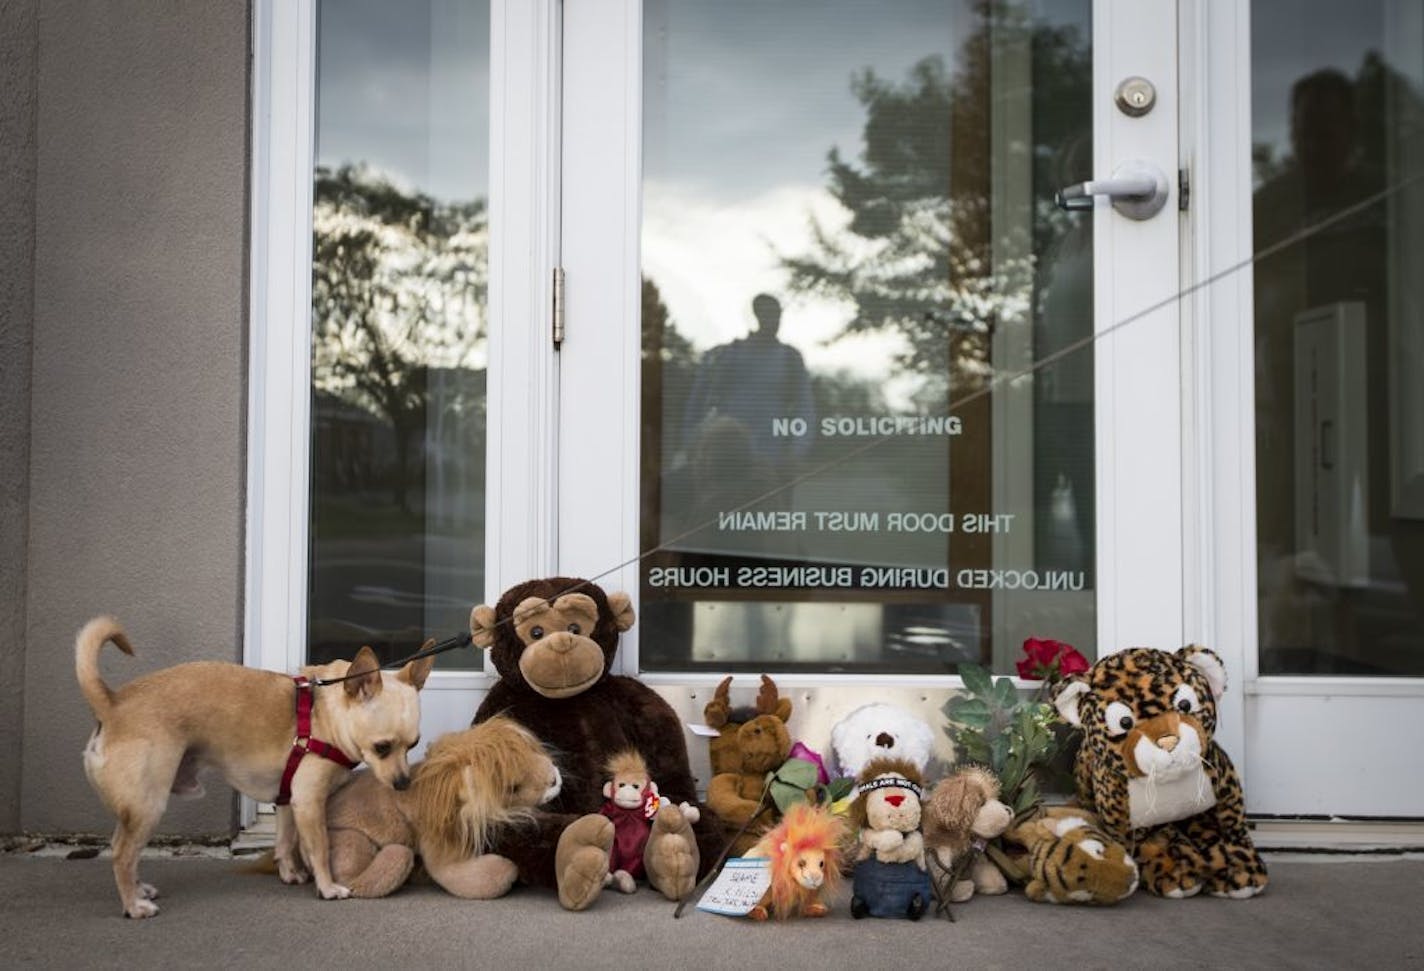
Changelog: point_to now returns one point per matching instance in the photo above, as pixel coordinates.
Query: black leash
(944, 879)
(428, 649)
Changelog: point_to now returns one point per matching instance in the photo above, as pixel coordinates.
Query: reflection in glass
(1338, 118)
(845, 239)
(399, 272)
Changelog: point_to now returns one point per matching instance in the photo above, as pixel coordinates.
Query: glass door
(1332, 642)
(845, 394)
(402, 373)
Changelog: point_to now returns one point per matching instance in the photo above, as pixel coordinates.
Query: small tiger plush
(1154, 775)
(1072, 861)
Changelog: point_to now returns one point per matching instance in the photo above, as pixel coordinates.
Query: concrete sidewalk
(1317, 913)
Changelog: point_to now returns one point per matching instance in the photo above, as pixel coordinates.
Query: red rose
(1070, 662)
(1046, 659)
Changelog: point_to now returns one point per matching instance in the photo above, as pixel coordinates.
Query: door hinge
(558, 306)
(1184, 190)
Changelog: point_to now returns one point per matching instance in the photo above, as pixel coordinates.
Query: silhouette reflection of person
(754, 381)
(737, 450)
(746, 396)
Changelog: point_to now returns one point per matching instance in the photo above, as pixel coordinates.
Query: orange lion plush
(805, 853)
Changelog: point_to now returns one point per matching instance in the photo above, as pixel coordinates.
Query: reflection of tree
(917, 257)
(398, 287)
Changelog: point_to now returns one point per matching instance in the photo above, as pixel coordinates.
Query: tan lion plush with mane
(472, 785)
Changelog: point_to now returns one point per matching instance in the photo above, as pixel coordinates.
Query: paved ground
(65, 914)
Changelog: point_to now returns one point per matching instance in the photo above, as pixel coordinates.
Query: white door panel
(1310, 599)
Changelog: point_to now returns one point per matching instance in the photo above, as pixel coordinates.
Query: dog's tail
(87, 645)
(264, 863)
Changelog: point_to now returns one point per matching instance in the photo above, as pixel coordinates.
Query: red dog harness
(305, 744)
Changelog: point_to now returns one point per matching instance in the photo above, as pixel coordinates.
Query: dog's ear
(482, 626)
(363, 678)
(415, 673)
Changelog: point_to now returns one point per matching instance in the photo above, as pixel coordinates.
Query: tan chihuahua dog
(156, 732)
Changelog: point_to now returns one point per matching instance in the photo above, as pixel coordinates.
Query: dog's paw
(147, 891)
(141, 908)
(334, 891)
(291, 871)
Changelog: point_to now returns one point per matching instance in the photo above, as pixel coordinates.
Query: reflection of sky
(405, 88)
(742, 102)
(744, 97)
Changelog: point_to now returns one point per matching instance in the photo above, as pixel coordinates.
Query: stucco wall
(17, 268)
(137, 407)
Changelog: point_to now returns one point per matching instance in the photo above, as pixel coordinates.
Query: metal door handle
(1137, 189)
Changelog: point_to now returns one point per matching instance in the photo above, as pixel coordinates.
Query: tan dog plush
(1071, 859)
(471, 785)
(962, 811)
(758, 745)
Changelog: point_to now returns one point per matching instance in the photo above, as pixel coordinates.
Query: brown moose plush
(750, 744)
(553, 642)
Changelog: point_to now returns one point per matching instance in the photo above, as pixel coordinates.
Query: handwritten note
(738, 888)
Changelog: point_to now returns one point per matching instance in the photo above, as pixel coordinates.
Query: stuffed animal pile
(1161, 803)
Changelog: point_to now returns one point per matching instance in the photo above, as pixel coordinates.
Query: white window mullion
(279, 337)
(600, 382)
(521, 523)
(279, 368)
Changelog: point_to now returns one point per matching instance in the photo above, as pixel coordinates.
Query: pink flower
(1048, 660)
(800, 751)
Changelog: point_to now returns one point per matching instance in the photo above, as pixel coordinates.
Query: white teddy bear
(880, 731)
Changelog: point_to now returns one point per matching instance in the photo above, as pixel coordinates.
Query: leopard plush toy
(1151, 770)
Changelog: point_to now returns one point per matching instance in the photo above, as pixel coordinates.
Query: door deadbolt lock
(1135, 97)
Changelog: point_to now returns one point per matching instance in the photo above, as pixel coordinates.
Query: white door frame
(1138, 400)
(599, 417)
(1306, 745)
(523, 367)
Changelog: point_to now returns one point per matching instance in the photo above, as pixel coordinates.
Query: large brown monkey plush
(553, 642)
